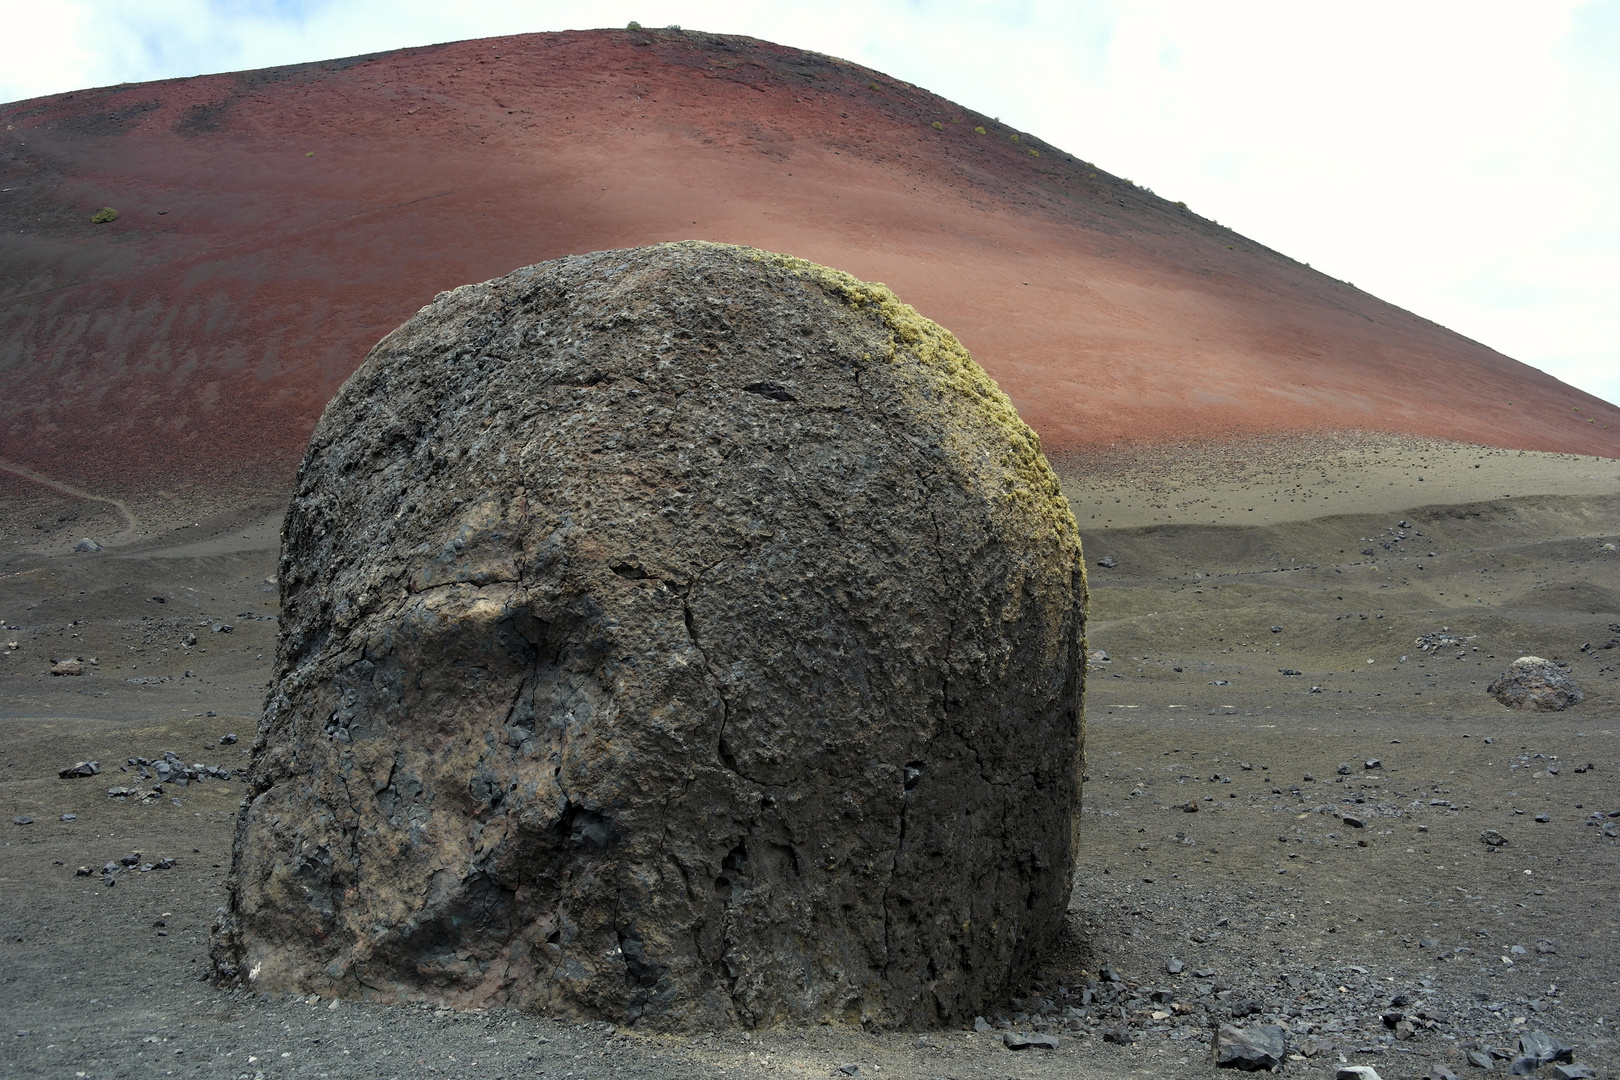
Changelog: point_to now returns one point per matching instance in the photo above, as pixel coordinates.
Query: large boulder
(1535, 685)
(688, 636)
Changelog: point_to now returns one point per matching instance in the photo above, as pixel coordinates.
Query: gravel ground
(1404, 942)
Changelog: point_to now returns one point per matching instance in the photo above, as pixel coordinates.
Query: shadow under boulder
(682, 636)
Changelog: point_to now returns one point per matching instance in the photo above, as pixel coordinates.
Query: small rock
(1492, 838)
(1353, 821)
(83, 871)
(227, 740)
(1481, 1059)
(1535, 685)
(87, 544)
(850, 1069)
(981, 1024)
(1107, 562)
(68, 667)
(1544, 1048)
(1120, 1035)
(223, 628)
(69, 817)
(1543, 818)
(1440, 1072)
(1572, 1072)
(1190, 806)
(1251, 1049)
(1345, 768)
(1428, 942)
(1174, 967)
(22, 819)
(83, 768)
(1357, 1072)
(1015, 1041)
(1374, 763)
(1523, 1065)
(1276, 629)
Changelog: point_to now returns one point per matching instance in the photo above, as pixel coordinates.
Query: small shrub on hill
(104, 215)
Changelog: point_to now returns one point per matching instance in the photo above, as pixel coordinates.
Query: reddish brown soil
(274, 224)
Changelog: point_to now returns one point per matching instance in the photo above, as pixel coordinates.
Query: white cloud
(1455, 158)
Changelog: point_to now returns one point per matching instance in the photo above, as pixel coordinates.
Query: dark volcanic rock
(1249, 1048)
(686, 635)
(1535, 685)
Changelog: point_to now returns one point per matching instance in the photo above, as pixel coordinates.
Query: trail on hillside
(131, 525)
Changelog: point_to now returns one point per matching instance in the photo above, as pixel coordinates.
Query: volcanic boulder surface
(685, 635)
(1535, 685)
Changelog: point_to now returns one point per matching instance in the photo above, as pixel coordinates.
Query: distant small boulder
(87, 544)
(1535, 685)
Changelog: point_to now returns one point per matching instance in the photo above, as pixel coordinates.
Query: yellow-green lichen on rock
(985, 434)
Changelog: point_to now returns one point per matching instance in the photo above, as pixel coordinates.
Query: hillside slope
(274, 224)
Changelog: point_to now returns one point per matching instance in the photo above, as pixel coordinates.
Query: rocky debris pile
(1599, 819)
(1388, 540)
(1254, 1024)
(1535, 685)
(687, 636)
(130, 863)
(169, 770)
(1442, 639)
(1535, 1049)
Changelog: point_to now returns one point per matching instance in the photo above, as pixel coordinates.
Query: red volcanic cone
(272, 225)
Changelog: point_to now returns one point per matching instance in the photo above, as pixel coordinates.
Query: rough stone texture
(1252, 1049)
(1535, 685)
(686, 635)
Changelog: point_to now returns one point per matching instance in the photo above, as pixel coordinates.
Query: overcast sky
(1461, 160)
